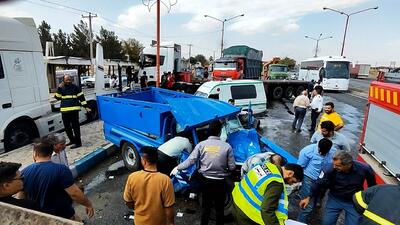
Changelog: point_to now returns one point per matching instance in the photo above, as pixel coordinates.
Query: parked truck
(379, 145)
(238, 62)
(360, 71)
(27, 108)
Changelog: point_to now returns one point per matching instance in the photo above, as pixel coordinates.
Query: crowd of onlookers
(326, 169)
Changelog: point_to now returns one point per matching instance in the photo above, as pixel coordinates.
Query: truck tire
(277, 93)
(289, 92)
(94, 114)
(130, 156)
(19, 134)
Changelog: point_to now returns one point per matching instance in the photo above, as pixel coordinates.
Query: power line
(51, 7)
(65, 6)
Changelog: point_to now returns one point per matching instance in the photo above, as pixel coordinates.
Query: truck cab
(228, 68)
(278, 72)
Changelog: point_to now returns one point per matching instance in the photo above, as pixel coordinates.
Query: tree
(210, 59)
(61, 43)
(291, 63)
(44, 34)
(202, 59)
(132, 47)
(80, 40)
(192, 60)
(111, 45)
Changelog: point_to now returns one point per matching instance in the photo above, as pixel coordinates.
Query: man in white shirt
(316, 106)
(300, 105)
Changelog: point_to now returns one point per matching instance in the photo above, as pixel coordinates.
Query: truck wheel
(277, 93)
(18, 135)
(130, 156)
(289, 92)
(94, 114)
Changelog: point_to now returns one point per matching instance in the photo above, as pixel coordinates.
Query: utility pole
(190, 53)
(90, 16)
(318, 40)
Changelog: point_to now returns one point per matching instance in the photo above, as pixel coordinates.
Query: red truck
(238, 62)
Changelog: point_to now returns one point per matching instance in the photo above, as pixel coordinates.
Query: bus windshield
(337, 70)
(225, 65)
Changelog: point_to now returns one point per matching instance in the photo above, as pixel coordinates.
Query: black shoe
(75, 146)
(298, 131)
(69, 143)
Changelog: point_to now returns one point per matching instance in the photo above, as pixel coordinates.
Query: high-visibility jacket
(379, 204)
(71, 97)
(248, 193)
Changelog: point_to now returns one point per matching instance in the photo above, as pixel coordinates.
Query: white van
(243, 92)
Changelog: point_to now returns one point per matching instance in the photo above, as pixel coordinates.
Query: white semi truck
(26, 108)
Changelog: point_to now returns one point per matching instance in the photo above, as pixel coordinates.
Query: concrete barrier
(10, 214)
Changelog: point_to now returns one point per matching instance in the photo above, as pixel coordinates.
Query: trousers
(299, 114)
(335, 206)
(213, 193)
(314, 117)
(71, 125)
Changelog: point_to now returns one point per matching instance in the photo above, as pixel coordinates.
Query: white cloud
(260, 15)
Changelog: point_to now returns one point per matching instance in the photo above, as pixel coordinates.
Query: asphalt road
(360, 84)
(106, 192)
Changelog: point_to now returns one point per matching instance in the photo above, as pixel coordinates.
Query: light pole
(223, 27)
(317, 40)
(347, 21)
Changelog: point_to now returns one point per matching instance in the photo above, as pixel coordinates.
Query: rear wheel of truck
(289, 92)
(19, 134)
(130, 156)
(277, 93)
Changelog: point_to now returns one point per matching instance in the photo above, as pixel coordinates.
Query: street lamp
(317, 40)
(223, 27)
(347, 21)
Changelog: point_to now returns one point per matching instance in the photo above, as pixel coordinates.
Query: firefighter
(72, 99)
(378, 205)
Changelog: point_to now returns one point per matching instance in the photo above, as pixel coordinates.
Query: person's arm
(361, 199)
(193, 157)
(314, 137)
(270, 203)
(128, 199)
(370, 176)
(168, 199)
(338, 122)
(58, 94)
(81, 97)
(303, 158)
(321, 183)
(231, 160)
(77, 196)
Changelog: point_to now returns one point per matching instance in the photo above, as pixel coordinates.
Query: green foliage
(132, 47)
(44, 34)
(61, 43)
(202, 59)
(111, 45)
(192, 60)
(80, 40)
(291, 63)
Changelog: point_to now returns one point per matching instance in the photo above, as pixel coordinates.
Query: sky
(278, 28)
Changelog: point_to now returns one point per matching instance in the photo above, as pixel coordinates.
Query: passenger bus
(332, 71)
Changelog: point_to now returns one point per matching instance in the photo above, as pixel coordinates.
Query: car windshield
(224, 65)
(278, 68)
(201, 94)
(337, 70)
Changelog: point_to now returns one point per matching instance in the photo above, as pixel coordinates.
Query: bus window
(312, 65)
(243, 92)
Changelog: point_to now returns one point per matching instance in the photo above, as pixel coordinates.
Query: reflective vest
(369, 214)
(71, 97)
(248, 193)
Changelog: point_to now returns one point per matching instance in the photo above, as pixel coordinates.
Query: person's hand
(174, 171)
(90, 211)
(303, 203)
(61, 85)
(88, 109)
